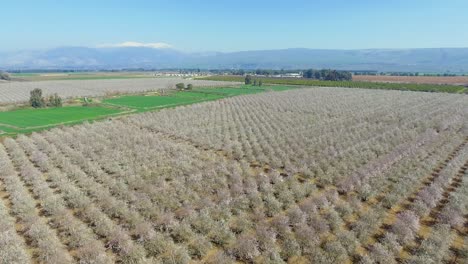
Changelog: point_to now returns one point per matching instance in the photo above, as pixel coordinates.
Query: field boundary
(349, 84)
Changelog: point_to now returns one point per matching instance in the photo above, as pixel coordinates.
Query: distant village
(298, 74)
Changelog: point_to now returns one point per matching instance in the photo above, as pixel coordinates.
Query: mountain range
(417, 60)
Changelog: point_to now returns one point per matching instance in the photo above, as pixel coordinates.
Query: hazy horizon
(234, 51)
(191, 26)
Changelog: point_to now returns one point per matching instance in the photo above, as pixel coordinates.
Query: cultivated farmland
(323, 175)
(154, 102)
(455, 80)
(42, 117)
(405, 86)
(26, 120)
(17, 92)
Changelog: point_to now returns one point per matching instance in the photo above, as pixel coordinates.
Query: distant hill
(421, 60)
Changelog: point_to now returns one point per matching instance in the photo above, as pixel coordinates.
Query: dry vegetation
(322, 175)
(456, 80)
(17, 92)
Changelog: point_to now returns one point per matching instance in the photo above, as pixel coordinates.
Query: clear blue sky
(208, 25)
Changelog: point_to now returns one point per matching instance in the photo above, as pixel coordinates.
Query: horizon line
(218, 51)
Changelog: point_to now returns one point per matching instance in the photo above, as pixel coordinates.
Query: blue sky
(235, 25)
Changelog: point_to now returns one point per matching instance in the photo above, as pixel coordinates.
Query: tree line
(327, 75)
(249, 81)
(324, 74)
(375, 73)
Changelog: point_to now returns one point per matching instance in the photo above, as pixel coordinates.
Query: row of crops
(350, 84)
(304, 176)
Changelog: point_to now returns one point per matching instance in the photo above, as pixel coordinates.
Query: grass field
(350, 84)
(153, 101)
(25, 120)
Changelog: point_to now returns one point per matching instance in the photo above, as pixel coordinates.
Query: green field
(147, 102)
(32, 119)
(349, 84)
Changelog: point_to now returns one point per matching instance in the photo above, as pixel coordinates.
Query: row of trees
(36, 99)
(248, 81)
(179, 228)
(419, 74)
(324, 74)
(141, 194)
(297, 232)
(375, 73)
(257, 141)
(86, 197)
(328, 75)
(12, 246)
(333, 75)
(35, 228)
(265, 72)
